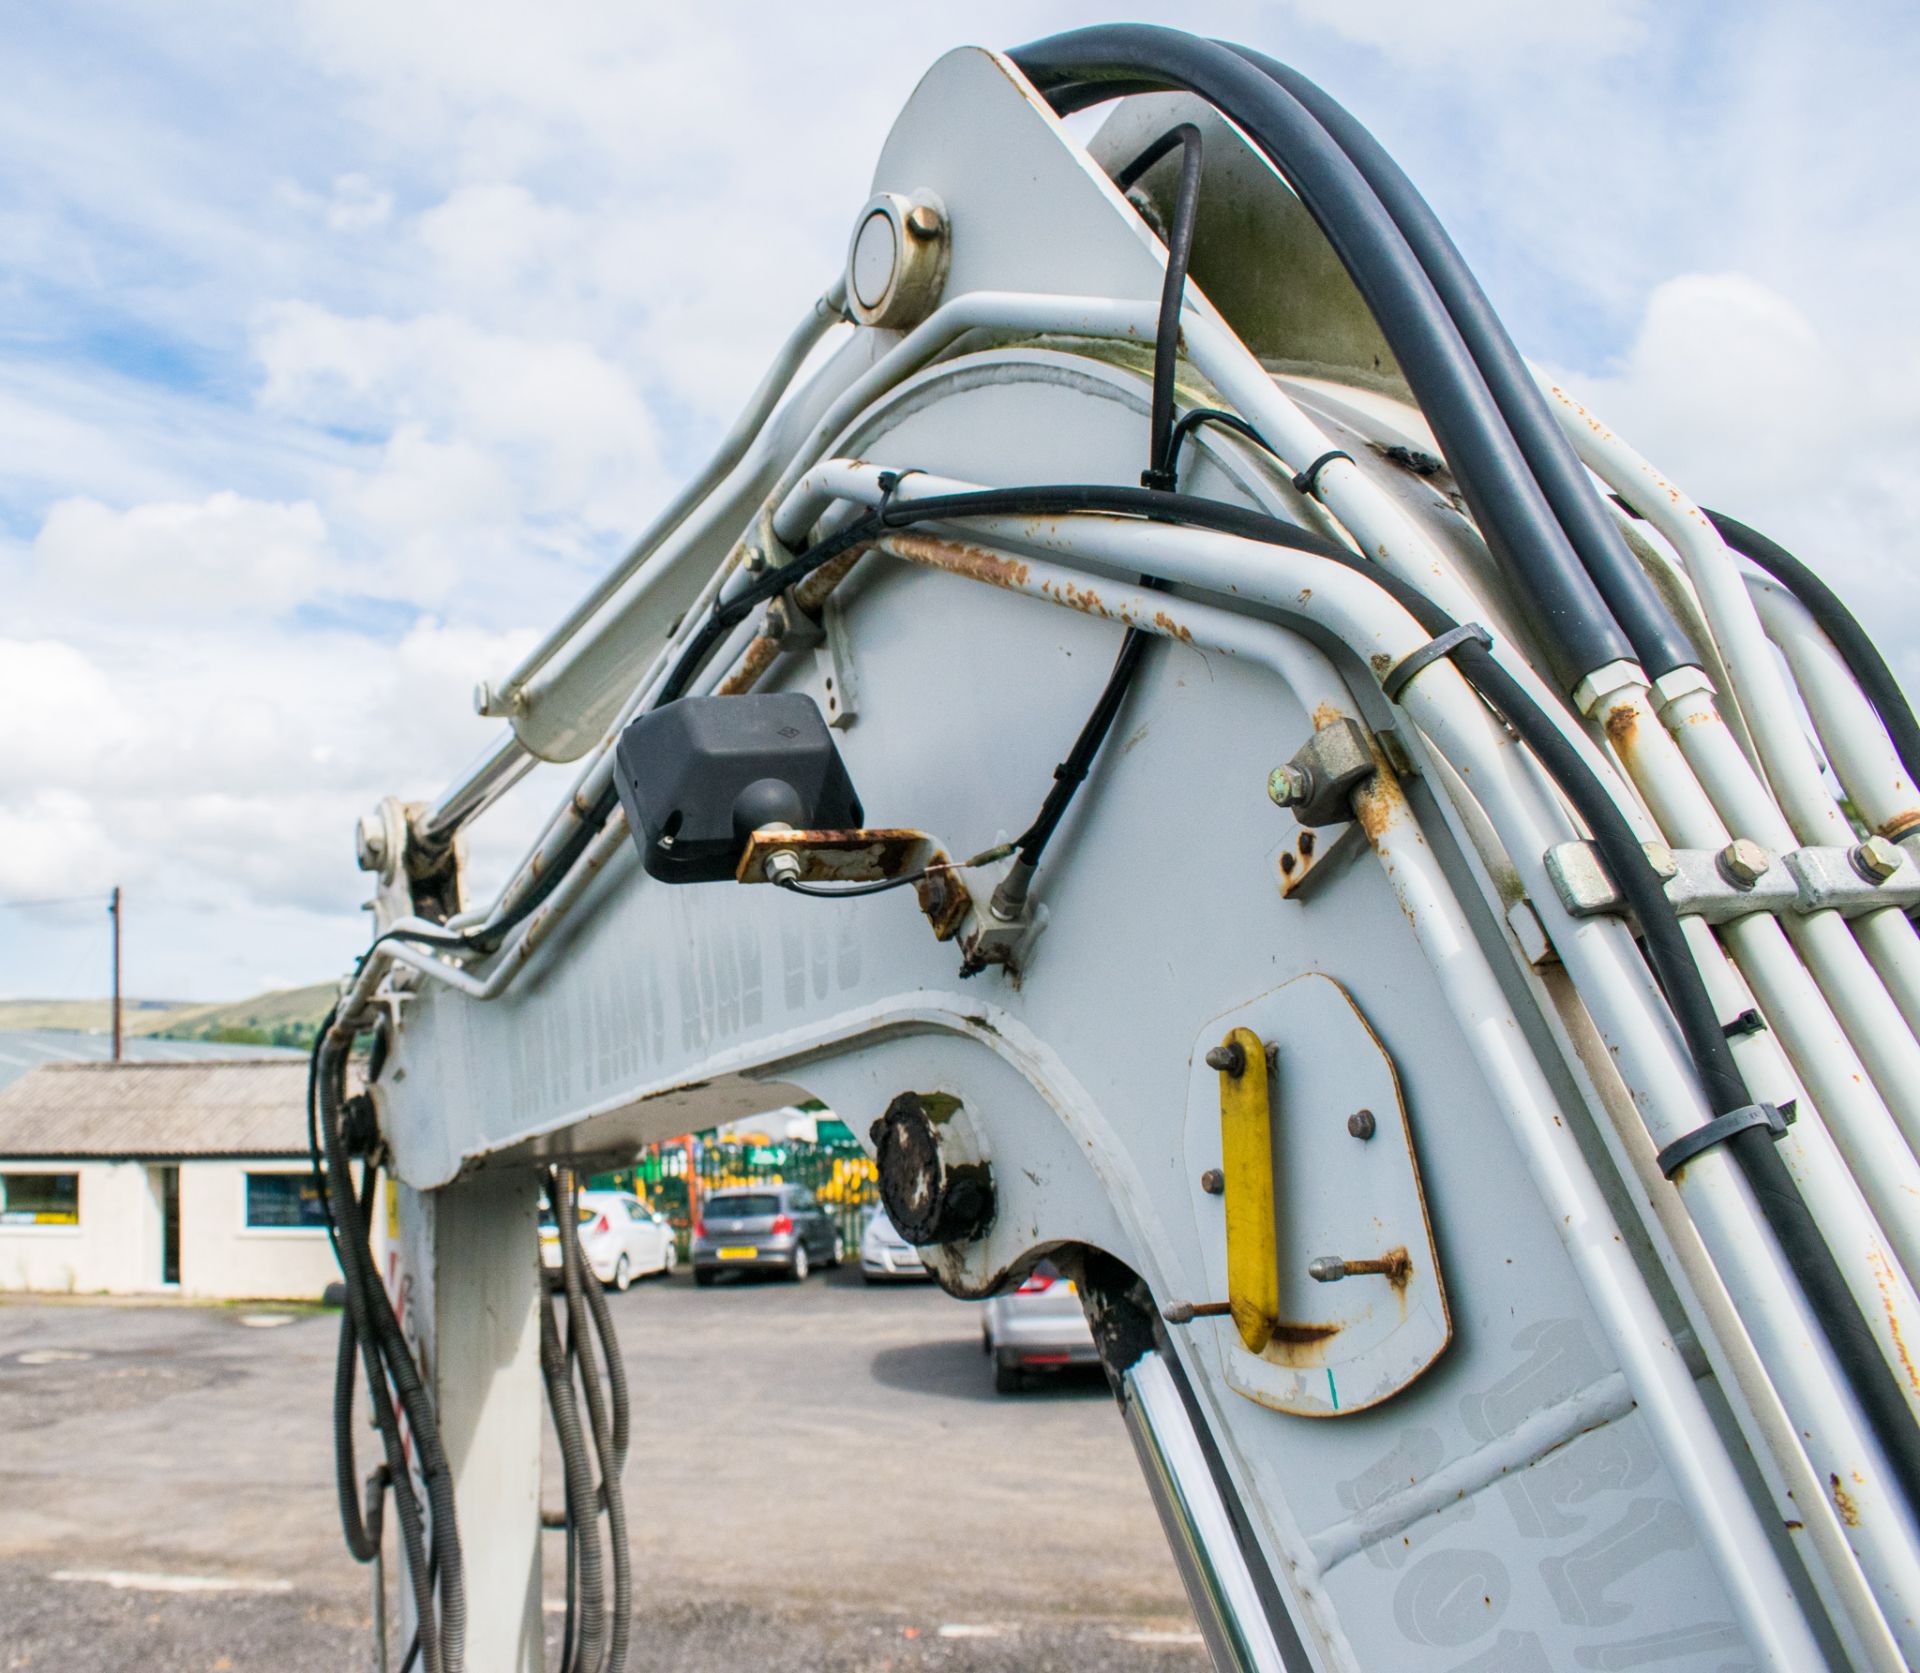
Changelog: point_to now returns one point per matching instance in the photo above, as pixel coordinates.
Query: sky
(343, 344)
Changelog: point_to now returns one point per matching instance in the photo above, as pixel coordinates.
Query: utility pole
(113, 911)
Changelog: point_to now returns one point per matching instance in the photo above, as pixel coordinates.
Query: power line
(58, 900)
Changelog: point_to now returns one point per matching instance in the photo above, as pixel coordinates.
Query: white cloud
(347, 340)
(171, 560)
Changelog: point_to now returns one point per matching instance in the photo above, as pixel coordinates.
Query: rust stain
(1287, 864)
(1881, 1277)
(1843, 1502)
(958, 557)
(1901, 824)
(1304, 1335)
(1172, 628)
(756, 660)
(1621, 724)
(1307, 845)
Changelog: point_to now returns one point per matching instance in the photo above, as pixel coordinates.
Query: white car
(884, 1253)
(622, 1238)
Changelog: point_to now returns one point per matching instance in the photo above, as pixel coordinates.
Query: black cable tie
(1067, 774)
(1467, 633)
(1717, 1131)
(1163, 480)
(1308, 481)
(1748, 1021)
(889, 481)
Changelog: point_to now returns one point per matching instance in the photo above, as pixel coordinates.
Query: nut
(1289, 786)
(1743, 862)
(370, 842)
(1213, 1182)
(1876, 859)
(783, 866)
(923, 221)
(1361, 1124)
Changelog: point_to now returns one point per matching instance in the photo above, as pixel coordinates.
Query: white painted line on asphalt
(964, 1629)
(265, 1321)
(51, 1356)
(124, 1580)
(1146, 1635)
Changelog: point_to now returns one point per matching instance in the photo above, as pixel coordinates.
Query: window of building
(284, 1202)
(39, 1199)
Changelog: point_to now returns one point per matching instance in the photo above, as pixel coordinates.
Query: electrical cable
(1090, 66)
(1857, 650)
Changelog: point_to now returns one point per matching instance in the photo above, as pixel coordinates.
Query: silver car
(1040, 1326)
(766, 1228)
(885, 1254)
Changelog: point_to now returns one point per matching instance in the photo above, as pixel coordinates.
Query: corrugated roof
(235, 1107)
(25, 1049)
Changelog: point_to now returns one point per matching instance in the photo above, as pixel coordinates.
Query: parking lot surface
(821, 1477)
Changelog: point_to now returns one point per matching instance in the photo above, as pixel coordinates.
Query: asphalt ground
(821, 1477)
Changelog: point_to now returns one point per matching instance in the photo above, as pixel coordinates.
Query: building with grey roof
(189, 1177)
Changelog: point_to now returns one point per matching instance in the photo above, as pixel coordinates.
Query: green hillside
(286, 1017)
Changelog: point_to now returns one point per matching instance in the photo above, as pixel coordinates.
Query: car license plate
(738, 1254)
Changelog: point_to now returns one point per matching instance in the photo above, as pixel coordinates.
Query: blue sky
(340, 344)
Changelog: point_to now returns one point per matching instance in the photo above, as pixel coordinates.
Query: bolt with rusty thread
(1330, 1269)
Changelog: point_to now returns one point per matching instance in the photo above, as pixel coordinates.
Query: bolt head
(923, 222)
(1289, 786)
(370, 842)
(756, 560)
(1660, 857)
(1876, 859)
(1743, 862)
(1213, 1182)
(1229, 1059)
(1326, 1269)
(1361, 1124)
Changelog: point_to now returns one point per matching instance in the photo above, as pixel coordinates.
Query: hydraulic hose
(1088, 66)
(1658, 640)
(586, 1636)
(1857, 650)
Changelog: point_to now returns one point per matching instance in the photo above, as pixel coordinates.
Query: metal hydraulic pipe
(828, 311)
(497, 769)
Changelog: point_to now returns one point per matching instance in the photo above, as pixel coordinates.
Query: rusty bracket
(1309, 855)
(870, 856)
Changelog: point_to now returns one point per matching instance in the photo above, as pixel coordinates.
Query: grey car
(763, 1228)
(1040, 1326)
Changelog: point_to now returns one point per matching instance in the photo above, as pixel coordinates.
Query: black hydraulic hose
(1857, 650)
(1784, 1209)
(362, 1531)
(1088, 66)
(1173, 290)
(377, 1315)
(585, 1644)
(1658, 640)
(357, 1273)
(608, 1444)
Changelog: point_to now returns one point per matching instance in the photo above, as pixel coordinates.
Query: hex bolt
(1330, 1269)
(783, 866)
(1214, 1182)
(1660, 857)
(756, 560)
(1229, 1059)
(1289, 786)
(1743, 862)
(1876, 859)
(923, 222)
(1361, 1124)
